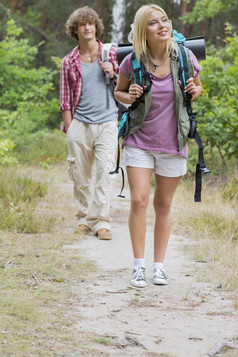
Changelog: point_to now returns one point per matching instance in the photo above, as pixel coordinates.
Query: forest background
(33, 42)
(36, 213)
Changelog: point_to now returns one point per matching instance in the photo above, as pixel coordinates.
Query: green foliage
(29, 100)
(47, 148)
(21, 219)
(43, 22)
(25, 104)
(16, 187)
(208, 9)
(216, 226)
(33, 16)
(6, 157)
(218, 106)
(230, 190)
(57, 61)
(171, 7)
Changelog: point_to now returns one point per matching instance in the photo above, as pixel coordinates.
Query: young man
(90, 120)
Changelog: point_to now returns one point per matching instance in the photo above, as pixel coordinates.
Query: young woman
(158, 133)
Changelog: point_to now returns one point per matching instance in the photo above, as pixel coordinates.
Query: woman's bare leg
(164, 191)
(139, 182)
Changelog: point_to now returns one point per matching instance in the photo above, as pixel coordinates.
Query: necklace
(90, 58)
(155, 66)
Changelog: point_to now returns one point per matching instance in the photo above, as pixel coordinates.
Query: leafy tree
(171, 7)
(6, 157)
(208, 17)
(45, 24)
(208, 9)
(218, 105)
(24, 90)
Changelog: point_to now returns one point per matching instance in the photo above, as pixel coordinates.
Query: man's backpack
(106, 58)
(139, 76)
(110, 85)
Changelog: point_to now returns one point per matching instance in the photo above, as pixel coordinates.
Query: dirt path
(186, 318)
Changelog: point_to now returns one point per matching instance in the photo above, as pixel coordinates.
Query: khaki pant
(92, 188)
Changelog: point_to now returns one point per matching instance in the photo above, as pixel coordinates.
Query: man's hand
(67, 116)
(107, 67)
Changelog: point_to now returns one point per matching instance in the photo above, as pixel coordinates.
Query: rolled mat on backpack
(195, 44)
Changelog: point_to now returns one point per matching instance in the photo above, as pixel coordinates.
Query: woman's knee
(139, 202)
(162, 207)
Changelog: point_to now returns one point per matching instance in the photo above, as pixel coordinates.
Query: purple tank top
(159, 130)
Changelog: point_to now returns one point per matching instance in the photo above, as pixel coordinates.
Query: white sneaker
(138, 277)
(160, 277)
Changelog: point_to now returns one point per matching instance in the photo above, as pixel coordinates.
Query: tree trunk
(40, 57)
(44, 17)
(203, 27)
(183, 10)
(13, 6)
(98, 6)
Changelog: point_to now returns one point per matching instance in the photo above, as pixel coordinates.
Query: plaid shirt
(71, 79)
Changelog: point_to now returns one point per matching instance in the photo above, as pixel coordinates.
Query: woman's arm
(124, 92)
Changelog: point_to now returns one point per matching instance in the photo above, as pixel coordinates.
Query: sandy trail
(188, 317)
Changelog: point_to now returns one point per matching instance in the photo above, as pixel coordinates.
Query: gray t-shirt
(92, 107)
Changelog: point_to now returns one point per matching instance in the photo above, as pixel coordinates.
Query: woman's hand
(193, 87)
(125, 92)
(135, 91)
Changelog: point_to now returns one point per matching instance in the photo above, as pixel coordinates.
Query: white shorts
(168, 165)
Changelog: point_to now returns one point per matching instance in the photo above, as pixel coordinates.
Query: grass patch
(17, 185)
(214, 225)
(40, 280)
(19, 193)
(36, 299)
(24, 219)
(45, 149)
(230, 190)
(106, 341)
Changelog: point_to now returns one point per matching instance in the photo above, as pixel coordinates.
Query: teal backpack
(193, 133)
(139, 77)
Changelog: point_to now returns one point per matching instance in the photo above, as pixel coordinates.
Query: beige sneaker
(104, 234)
(82, 228)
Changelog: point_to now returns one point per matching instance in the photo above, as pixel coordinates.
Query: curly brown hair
(83, 14)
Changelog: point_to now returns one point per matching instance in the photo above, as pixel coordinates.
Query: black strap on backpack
(193, 134)
(140, 74)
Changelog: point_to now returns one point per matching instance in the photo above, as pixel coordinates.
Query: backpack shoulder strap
(183, 64)
(141, 76)
(140, 73)
(105, 56)
(106, 48)
(137, 68)
(183, 76)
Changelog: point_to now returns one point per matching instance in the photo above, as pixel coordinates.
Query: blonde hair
(140, 28)
(83, 14)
